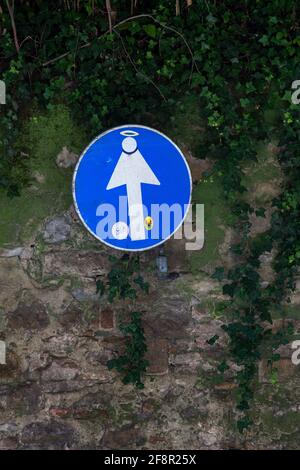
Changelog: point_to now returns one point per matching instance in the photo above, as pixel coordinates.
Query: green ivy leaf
(213, 340)
(219, 274)
(264, 40)
(261, 212)
(100, 287)
(150, 29)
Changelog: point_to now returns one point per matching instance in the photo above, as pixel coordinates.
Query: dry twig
(108, 8)
(11, 8)
(143, 15)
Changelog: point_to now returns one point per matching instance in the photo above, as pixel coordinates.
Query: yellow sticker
(148, 222)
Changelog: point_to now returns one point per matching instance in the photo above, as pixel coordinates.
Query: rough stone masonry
(55, 389)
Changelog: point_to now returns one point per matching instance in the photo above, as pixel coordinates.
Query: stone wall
(55, 389)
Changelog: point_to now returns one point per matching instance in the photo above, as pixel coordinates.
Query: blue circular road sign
(132, 188)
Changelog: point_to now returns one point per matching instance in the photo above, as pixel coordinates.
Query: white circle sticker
(120, 230)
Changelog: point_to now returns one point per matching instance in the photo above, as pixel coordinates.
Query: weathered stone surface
(57, 372)
(191, 361)
(197, 166)
(284, 367)
(13, 281)
(205, 330)
(157, 355)
(225, 386)
(60, 346)
(266, 191)
(66, 158)
(65, 386)
(73, 262)
(202, 286)
(229, 259)
(107, 318)
(99, 357)
(84, 295)
(209, 439)
(66, 378)
(176, 253)
(56, 391)
(12, 252)
(30, 317)
(8, 443)
(169, 315)
(38, 360)
(8, 429)
(39, 177)
(93, 406)
(260, 224)
(125, 438)
(57, 230)
(149, 407)
(26, 400)
(266, 270)
(190, 413)
(51, 435)
(71, 316)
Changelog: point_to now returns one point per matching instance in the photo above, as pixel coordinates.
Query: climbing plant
(144, 59)
(132, 364)
(122, 282)
(123, 279)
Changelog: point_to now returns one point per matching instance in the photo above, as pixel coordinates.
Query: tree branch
(108, 8)
(11, 8)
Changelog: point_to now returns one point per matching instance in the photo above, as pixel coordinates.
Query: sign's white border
(75, 173)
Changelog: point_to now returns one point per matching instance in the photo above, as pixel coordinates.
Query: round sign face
(132, 188)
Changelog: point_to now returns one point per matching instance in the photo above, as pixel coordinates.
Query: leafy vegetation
(132, 364)
(235, 62)
(41, 138)
(121, 283)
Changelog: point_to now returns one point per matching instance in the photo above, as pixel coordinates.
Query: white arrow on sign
(132, 170)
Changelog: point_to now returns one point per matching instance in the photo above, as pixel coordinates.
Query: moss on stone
(262, 178)
(216, 216)
(287, 422)
(188, 128)
(184, 287)
(82, 240)
(280, 397)
(43, 136)
(289, 311)
(290, 442)
(266, 168)
(215, 308)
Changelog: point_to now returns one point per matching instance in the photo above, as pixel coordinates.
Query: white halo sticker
(129, 133)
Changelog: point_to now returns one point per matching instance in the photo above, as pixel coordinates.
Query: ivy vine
(121, 283)
(236, 62)
(132, 364)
